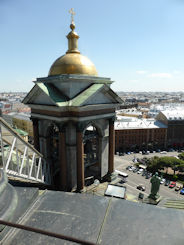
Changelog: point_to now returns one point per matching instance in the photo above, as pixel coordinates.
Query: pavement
(134, 179)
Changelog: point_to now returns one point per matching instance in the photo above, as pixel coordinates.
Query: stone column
(36, 134)
(111, 146)
(165, 138)
(80, 161)
(62, 161)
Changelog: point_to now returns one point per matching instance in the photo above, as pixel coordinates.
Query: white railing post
(2, 148)
(10, 155)
(27, 163)
(39, 164)
(17, 156)
(32, 163)
(21, 158)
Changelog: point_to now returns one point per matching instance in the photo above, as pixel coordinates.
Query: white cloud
(176, 72)
(161, 75)
(141, 72)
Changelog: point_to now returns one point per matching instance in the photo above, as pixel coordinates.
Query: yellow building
(22, 121)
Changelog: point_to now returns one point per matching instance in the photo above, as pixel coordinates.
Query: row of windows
(153, 131)
(140, 137)
(159, 139)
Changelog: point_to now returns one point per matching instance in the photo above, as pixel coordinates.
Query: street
(134, 179)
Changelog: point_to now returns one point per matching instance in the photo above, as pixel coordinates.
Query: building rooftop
(130, 111)
(174, 114)
(135, 123)
(23, 116)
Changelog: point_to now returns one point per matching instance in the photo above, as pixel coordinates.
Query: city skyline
(138, 45)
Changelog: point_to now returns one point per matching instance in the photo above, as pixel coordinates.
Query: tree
(165, 162)
(152, 164)
(158, 163)
(181, 167)
(176, 163)
(181, 156)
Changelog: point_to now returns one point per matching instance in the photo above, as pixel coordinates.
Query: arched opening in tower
(91, 155)
(53, 151)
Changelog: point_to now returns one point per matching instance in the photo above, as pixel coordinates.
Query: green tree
(181, 167)
(152, 164)
(158, 163)
(176, 163)
(181, 156)
(165, 162)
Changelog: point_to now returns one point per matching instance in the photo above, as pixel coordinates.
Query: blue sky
(139, 44)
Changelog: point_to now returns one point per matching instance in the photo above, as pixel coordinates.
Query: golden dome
(73, 62)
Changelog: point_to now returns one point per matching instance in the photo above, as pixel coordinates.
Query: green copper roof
(52, 92)
(21, 132)
(61, 100)
(86, 94)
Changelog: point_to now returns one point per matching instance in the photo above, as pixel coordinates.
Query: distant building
(139, 134)
(23, 134)
(20, 121)
(131, 112)
(174, 120)
(5, 107)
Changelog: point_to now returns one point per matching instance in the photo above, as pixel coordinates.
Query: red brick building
(174, 121)
(139, 134)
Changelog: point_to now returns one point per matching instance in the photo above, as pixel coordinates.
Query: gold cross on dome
(71, 11)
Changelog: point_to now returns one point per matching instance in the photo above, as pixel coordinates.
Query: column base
(82, 190)
(151, 201)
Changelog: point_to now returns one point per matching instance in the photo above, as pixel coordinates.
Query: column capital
(80, 126)
(34, 120)
(61, 127)
(112, 120)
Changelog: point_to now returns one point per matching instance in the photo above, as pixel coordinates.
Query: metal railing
(21, 159)
(47, 233)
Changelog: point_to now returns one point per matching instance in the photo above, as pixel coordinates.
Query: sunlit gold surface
(73, 63)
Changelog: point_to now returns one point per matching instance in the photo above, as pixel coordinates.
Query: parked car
(162, 181)
(140, 171)
(167, 182)
(178, 187)
(172, 185)
(182, 191)
(141, 187)
(144, 173)
(135, 170)
(163, 152)
(148, 176)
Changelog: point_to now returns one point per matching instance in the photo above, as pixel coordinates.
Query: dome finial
(72, 25)
(72, 36)
(73, 62)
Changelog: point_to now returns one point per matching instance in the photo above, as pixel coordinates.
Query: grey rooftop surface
(102, 220)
